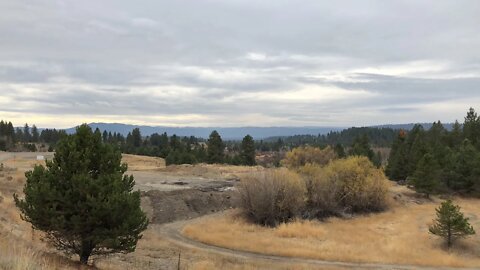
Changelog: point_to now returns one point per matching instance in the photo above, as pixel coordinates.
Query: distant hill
(447, 126)
(228, 133)
(235, 133)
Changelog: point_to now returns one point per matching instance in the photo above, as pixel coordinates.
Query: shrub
(301, 156)
(345, 185)
(272, 196)
(321, 193)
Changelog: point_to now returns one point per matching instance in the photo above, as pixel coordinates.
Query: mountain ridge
(235, 133)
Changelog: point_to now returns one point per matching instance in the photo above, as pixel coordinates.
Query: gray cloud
(239, 62)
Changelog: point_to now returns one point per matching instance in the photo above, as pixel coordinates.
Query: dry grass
(20, 248)
(213, 171)
(399, 236)
(221, 263)
(143, 163)
(15, 257)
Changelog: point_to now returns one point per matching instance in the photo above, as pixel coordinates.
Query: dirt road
(172, 233)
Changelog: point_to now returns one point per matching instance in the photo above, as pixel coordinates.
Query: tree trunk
(449, 239)
(85, 252)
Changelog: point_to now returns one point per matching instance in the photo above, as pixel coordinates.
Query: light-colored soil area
(175, 177)
(397, 236)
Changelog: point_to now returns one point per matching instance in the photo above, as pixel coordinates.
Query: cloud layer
(238, 63)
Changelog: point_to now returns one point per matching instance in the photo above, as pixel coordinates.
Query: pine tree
(201, 153)
(397, 166)
(247, 155)
(82, 200)
(27, 137)
(417, 150)
(175, 143)
(361, 147)
(136, 138)
(426, 177)
(466, 168)
(450, 223)
(35, 134)
(455, 137)
(19, 135)
(105, 136)
(215, 149)
(340, 150)
(471, 127)
(11, 132)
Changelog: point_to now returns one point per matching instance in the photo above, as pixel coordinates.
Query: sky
(238, 62)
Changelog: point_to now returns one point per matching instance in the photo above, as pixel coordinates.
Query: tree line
(190, 150)
(378, 137)
(25, 138)
(184, 150)
(438, 160)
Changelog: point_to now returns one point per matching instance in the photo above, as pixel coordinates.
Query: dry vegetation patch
(399, 236)
(272, 196)
(142, 163)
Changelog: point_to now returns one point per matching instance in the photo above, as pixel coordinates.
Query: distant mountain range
(232, 133)
(228, 133)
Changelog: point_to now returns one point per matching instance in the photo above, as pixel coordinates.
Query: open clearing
(180, 194)
(398, 236)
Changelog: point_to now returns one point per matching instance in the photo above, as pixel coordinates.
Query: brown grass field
(398, 236)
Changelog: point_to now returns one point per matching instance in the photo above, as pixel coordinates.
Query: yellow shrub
(346, 185)
(301, 156)
(272, 196)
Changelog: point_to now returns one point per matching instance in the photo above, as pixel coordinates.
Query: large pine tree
(426, 177)
(471, 127)
(82, 200)
(398, 162)
(248, 151)
(215, 148)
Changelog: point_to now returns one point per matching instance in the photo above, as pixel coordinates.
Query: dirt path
(172, 232)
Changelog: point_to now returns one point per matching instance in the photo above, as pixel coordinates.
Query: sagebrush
(273, 196)
(349, 185)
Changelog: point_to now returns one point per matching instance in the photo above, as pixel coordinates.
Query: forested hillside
(438, 160)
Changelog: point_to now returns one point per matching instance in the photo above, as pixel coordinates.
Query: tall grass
(398, 236)
(16, 257)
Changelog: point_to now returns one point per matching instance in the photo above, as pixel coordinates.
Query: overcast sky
(238, 62)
